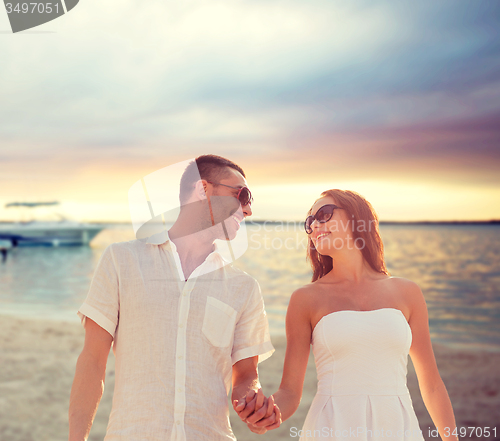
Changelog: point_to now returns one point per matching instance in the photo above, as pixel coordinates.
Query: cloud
(296, 90)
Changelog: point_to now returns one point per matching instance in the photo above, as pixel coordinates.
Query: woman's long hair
(363, 225)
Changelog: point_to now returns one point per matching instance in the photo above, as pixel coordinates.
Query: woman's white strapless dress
(361, 361)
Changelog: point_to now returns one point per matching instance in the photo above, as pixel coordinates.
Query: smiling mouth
(321, 236)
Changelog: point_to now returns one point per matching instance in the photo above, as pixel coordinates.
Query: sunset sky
(399, 101)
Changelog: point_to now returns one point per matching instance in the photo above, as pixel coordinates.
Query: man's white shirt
(175, 341)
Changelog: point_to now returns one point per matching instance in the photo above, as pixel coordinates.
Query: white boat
(61, 232)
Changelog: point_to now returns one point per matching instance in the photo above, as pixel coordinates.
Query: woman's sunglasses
(244, 195)
(324, 214)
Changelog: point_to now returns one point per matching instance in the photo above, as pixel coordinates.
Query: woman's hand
(260, 413)
(267, 417)
(248, 404)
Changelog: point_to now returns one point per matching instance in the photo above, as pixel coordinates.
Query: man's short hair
(211, 168)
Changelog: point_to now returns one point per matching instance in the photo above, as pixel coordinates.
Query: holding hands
(260, 413)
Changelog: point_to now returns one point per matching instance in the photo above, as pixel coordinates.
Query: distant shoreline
(457, 222)
(384, 222)
(489, 222)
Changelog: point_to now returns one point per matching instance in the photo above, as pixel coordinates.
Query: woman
(362, 324)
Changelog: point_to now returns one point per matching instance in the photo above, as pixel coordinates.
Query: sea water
(456, 266)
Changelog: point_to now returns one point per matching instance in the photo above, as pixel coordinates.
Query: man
(185, 325)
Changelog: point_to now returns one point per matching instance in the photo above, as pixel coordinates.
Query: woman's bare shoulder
(304, 296)
(402, 283)
(410, 293)
(303, 293)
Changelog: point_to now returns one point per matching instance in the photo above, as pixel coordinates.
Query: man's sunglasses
(244, 195)
(324, 214)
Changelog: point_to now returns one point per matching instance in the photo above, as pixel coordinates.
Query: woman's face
(334, 235)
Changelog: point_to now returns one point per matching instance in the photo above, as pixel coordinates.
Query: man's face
(226, 208)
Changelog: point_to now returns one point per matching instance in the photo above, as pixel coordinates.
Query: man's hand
(257, 430)
(267, 418)
(248, 404)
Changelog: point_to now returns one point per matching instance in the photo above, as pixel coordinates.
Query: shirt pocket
(218, 323)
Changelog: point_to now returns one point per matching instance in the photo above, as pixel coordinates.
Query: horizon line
(261, 221)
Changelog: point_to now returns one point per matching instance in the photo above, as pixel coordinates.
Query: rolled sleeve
(102, 302)
(251, 336)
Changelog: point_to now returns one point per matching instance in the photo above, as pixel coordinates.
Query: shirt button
(179, 389)
(181, 326)
(180, 357)
(177, 422)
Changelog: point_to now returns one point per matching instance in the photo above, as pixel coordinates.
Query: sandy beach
(37, 362)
